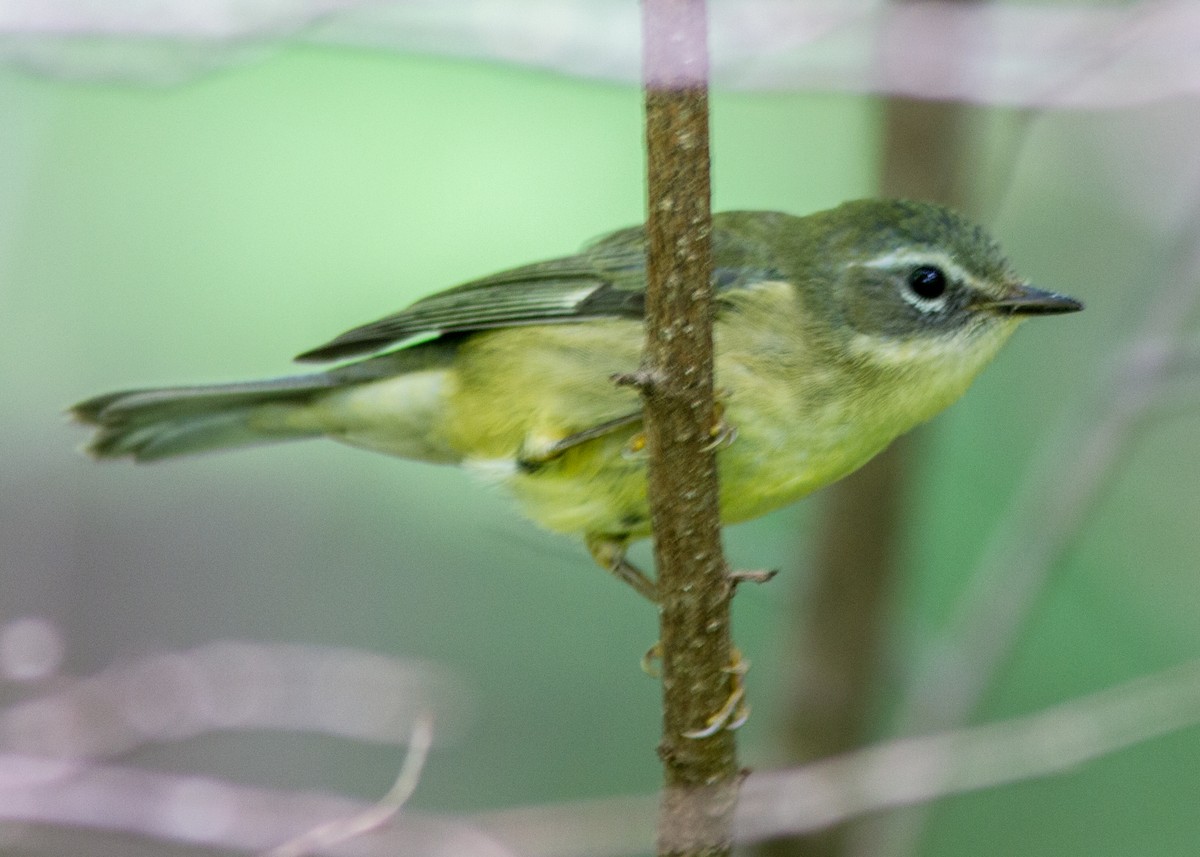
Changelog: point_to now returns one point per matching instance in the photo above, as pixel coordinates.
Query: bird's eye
(927, 282)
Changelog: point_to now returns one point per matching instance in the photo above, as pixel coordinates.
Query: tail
(147, 425)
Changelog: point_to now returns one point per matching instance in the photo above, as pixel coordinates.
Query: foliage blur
(209, 231)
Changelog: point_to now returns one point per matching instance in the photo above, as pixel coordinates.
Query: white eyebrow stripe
(900, 258)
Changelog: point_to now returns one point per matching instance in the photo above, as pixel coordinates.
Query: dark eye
(927, 282)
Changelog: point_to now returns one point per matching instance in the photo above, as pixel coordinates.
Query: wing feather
(605, 280)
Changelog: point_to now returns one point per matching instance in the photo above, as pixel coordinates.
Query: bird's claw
(722, 432)
(654, 653)
(635, 450)
(734, 713)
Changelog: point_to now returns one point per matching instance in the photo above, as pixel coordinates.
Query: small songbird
(834, 333)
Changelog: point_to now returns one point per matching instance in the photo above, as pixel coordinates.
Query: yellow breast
(805, 414)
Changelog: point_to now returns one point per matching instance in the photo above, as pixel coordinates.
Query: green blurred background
(209, 231)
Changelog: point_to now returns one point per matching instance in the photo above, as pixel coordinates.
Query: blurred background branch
(1062, 53)
(208, 814)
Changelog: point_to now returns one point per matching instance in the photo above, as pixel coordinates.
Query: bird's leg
(534, 454)
(609, 553)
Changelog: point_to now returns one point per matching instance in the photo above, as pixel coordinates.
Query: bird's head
(916, 288)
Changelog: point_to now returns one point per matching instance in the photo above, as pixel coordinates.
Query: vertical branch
(700, 773)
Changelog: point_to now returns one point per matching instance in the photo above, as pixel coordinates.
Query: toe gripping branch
(733, 714)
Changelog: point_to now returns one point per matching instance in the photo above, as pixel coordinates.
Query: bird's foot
(651, 659)
(722, 433)
(736, 710)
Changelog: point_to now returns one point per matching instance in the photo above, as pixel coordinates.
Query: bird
(834, 333)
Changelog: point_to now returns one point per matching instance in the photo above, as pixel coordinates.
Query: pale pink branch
(230, 685)
(207, 812)
(921, 769)
(1065, 54)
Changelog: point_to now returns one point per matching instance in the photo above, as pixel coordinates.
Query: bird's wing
(605, 280)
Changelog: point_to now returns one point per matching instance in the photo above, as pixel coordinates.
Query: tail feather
(151, 424)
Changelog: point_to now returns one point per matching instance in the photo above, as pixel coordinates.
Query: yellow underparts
(802, 419)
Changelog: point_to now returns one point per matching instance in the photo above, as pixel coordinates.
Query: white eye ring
(904, 263)
(925, 287)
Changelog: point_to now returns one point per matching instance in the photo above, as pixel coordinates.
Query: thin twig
(230, 685)
(323, 836)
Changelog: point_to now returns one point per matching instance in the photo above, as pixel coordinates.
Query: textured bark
(700, 773)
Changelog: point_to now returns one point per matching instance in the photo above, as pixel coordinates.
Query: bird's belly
(597, 487)
(754, 483)
(600, 486)
(520, 391)
(781, 456)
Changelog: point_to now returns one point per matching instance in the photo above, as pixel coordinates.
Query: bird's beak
(1024, 299)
